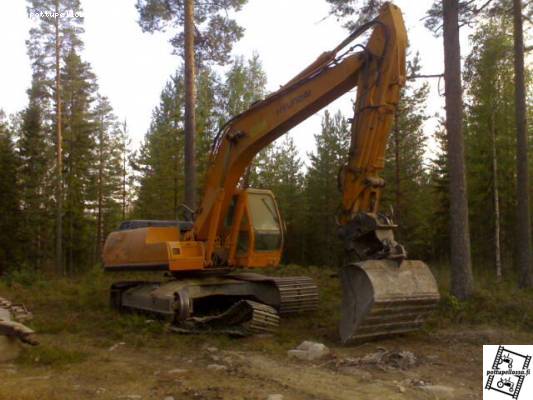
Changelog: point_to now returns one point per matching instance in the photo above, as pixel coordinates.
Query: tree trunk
(100, 194)
(523, 227)
(59, 161)
(190, 101)
(124, 172)
(496, 200)
(461, 268)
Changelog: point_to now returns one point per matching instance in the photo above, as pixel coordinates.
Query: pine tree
(365, 10)
(440, 199)
(244, 84)
(523, 226)
(109, 166)
(159, 163)
(79, 143)
(208, 116)
(35, 149)
(9, 200)
(460, 257)
(322, 194)
(407, 186)
(208, 35)
(56, 33)
(491, 140)
(288, 187)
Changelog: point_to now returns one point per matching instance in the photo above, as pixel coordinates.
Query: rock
(401, 389)
(217, 367)
(116, 346)
(212, 349)
(439, 391)
(309, 351)
(227, 360)
(169, 398)
(275, 397)
(385, 359)
(177, 371)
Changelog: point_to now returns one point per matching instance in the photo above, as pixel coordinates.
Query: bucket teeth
(383, 298)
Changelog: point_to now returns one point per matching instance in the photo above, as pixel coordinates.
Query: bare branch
(422, 76)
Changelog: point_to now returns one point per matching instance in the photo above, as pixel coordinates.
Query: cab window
(265, 220)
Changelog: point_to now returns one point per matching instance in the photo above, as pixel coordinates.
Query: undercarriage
(237, 303)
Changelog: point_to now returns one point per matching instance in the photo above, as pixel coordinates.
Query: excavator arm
(379, 73)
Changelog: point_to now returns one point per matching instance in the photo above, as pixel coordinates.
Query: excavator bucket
(381, 298)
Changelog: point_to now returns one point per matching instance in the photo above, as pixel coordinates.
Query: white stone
(217, 367)
(440, 391)
(177, 371)
(275, 397)
(309, 351)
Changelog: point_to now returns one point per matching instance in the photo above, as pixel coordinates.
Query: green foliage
(501, 303)
(407, 188)
(321, 192)
(216, 30)
(440, 210)
(92, 150)
(159, 164)
(365, 10)
(35, 149)
(10, 245)
(490, 106)
(24, 276)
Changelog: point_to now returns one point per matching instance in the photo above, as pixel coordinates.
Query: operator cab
(255, 222)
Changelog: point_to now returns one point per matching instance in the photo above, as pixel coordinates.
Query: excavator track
(243, 318)
(238, 304)
(296, 293)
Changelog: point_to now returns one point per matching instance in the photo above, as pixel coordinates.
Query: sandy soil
(448, 366)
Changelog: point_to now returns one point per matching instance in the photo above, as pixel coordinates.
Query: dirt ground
(89, 351)
(448, 366)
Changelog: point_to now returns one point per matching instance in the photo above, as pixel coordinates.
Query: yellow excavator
(209, 259)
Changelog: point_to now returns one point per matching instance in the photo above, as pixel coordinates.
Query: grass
(79, 308)
(50, 356)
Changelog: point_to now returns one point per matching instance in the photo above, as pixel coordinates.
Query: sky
(132, 67)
